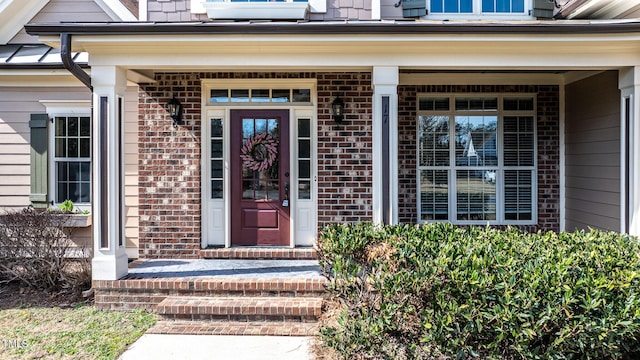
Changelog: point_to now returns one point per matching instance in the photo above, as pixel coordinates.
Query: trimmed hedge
(439, 291)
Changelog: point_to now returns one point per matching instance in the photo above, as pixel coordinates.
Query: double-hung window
(71, 162)
(481, 8)
(477, 159)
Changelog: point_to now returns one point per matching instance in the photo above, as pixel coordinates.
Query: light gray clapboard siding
(592, 134)
(132, 230)
(63, 10)
(14, 149)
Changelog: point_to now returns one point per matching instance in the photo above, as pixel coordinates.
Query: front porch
(235, 294)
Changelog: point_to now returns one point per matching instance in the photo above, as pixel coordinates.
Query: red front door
(260, 177)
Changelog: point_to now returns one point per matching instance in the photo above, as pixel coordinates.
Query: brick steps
(131, 294)
(180, 327)
(260, 253)
(244, 309)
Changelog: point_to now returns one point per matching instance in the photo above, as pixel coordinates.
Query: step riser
(260, 253)
(240, 318)
(234, 328)
(129, 295)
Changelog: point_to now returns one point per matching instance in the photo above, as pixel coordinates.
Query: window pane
(434, 195)
(260, 95)
(216, 189)
(304, 128)
(85, 126)
(216, 127)
(219, 95)
(274, 190)
(216, 148)
(433, 104)
(85, 147)
(487, 6)
(436, 6)
(280, 95)
(62, 172)
(476, 141)
(475, 196)
(72, 129)
(85, 193)
(61, 192)
(74, 171)
(304, 189)
(61, 147)
(73, 148)
(304, 169)
(466, 6)
(74, 192)
(519, 141)
(216, 168)
(302, 95)
(517, 6)
(61, 126)
(85, 171)
(240, 95)
(518, 194)
(304, 149)
(433, 133)
(451, 6)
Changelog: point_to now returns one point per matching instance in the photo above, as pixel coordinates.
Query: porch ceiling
(472, 45)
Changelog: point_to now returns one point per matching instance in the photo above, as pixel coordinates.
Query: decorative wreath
(259, 152)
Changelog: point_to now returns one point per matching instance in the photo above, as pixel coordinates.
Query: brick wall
(169, 159)
(169, 169)
(345, 169)
(548, 121)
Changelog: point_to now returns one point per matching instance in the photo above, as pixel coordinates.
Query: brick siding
(548, 120)
(169, 157)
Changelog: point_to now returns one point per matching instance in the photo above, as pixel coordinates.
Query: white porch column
(385, 144)
(629, 84)
(109, 257)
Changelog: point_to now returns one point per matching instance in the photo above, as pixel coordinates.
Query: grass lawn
(77, 332)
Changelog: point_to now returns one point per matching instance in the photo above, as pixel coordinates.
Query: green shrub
(440, 291)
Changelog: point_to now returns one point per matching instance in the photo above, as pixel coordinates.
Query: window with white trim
(71, 161)
(479, 7)
(476, 159)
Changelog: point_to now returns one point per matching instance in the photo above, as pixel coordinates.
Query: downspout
(67, 61)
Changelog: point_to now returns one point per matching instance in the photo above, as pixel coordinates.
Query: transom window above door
(260, 95)
(476, 159)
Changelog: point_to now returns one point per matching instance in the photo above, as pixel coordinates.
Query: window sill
(257, 10)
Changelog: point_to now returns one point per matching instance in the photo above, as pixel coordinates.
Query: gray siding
(389, 11)
(16, 106)
(592, 136)
(180, 10)
(63, 10)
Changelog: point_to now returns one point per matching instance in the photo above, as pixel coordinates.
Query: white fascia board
(14, 14)
(116, 10)
(35, 78)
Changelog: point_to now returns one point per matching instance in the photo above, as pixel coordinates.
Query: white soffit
(14, 14)
(116, 10)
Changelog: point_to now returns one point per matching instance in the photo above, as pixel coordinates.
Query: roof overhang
(596, 9)
(574, 45)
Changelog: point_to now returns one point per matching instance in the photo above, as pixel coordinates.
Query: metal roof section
(36, 56)
(594, 9)
(360, 27)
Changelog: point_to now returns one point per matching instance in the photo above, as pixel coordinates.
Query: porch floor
(224, 268)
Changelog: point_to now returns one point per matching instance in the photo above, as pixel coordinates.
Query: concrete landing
(228, 268)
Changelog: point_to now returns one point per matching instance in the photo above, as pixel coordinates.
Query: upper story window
(513, 9)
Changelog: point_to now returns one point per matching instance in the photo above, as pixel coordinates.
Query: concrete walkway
(191, 347)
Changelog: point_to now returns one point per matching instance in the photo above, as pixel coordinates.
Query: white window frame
(500, 167)
(64, 108)
(478, 14)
